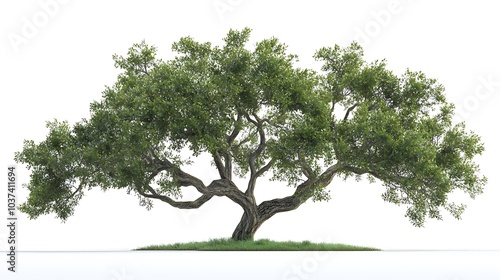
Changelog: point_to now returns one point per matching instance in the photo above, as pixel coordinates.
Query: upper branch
(80, 187)
(221, 167)
(349, 110)
(222, 158)
(225, 168)
(306, 169)
(236, 131)
(228, 164)
(265, 168)
(262, 136)
(252, 158)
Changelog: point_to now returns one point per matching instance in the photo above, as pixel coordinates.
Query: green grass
(257, 245)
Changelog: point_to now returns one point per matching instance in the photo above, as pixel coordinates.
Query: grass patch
(227, 244)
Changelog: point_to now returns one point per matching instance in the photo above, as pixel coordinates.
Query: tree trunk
(254, 216)
(247, 226)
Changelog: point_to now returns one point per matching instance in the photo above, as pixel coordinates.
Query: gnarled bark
(253, 218)
(253, 215)
(248, 225)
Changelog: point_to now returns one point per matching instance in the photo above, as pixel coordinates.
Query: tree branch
(181, 177)
(254, 174)
(265, 168)
(228, 164)
(226, 168)
(177, 204)
(384, 176)
(262, 137)
(306, 170)
(220, 166)
(236, 131)
(349, 110)
(80, 187)
(304, 191)
(221, 187)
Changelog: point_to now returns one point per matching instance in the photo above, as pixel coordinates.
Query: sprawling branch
(178, 204)
(221, 187)
(304, 191)
(182, 178)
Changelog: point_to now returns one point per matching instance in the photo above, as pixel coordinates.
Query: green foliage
(55, 169)
(260, 113)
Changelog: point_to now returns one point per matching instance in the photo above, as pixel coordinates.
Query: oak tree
(256, 113)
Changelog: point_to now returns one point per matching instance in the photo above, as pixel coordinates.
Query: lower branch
(177, 204)
(304, 191)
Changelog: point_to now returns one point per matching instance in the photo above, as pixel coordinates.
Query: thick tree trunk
(254, 216)
(247, 226)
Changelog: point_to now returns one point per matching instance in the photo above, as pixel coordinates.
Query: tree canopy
(254, 112)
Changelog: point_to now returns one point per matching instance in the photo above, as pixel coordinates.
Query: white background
(56, 59)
